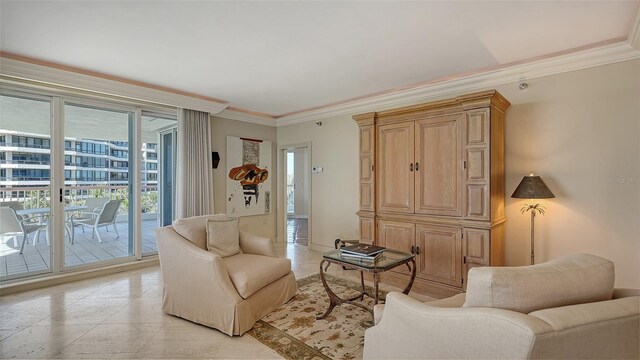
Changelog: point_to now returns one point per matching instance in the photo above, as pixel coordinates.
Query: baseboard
(57, 279)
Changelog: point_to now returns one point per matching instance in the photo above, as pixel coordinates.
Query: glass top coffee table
(387, 261)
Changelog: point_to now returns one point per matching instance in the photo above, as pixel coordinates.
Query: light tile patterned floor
(84, 250)
(120, 316)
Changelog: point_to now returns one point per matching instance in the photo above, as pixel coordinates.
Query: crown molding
(246, 117)
(597, 56)
(49, 75)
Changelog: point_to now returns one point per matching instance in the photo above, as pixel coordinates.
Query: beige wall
(580, 131)
(264, 225)
(334, 192)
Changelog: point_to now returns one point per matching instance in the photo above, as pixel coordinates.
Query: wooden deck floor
(84, 250)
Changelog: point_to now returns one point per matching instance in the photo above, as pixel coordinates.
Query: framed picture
(248, 176)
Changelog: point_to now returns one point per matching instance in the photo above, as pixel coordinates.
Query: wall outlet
(316, 169)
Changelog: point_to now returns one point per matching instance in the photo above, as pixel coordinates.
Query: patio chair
(106, 216)
(94, 207)
(11, 225)
(15, 205)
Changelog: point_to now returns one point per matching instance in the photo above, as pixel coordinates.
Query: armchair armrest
(194, 282)
(190, 268)
(257, 245)
(410, 329)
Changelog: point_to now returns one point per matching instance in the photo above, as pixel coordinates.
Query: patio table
(40, 211)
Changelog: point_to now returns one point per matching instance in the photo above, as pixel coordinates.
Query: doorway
(297, 173)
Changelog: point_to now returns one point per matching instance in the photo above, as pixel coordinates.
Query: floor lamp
(532, 187)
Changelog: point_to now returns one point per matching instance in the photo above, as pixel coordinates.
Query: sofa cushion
(194, 228)
(250, 273)
(570, 280)
(223, 236)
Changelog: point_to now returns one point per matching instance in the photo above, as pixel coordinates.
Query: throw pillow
(223, 236)
(194, 228)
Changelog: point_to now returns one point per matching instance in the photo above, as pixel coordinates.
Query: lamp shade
(532, 187)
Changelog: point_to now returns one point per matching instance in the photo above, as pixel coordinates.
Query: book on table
(362, 250)
(364, 258)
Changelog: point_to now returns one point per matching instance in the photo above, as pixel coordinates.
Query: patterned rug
(293, 331)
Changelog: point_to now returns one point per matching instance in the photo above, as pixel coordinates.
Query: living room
(573, 90)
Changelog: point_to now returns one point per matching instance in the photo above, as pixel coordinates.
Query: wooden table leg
(334, 299)
(413, 277)
(364, 289)
(375, 288)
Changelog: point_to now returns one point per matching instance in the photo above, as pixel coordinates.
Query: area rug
(293, 331)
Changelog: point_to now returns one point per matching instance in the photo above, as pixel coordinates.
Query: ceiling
(277, 58)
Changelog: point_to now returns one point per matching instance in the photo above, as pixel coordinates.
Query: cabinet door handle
(417, 168)
(417, 250)
(413, 249)
(411, 167)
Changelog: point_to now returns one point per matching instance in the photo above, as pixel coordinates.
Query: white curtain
(194, 187)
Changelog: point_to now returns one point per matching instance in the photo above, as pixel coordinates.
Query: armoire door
(439, 254)
(395, 167)
(438, 166)
(477, 171)
(367, 148)
(398, 236)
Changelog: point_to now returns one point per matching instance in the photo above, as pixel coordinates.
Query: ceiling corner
(246, 117)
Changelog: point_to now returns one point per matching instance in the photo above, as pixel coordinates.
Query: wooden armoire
(432, 183)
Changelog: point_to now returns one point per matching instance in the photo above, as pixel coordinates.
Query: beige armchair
(229, 294)
(563, 309)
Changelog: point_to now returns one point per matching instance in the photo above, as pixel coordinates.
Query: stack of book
(363, 252)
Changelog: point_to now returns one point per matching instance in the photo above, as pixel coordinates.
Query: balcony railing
(87, 151)
(27, 162)
(40, 197)
(24, 145)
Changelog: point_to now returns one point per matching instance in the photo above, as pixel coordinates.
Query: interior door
(395, 167)
(437, 167)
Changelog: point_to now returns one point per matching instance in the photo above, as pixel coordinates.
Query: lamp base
(533, 253)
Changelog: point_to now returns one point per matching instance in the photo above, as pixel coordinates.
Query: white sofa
(562, 309)
(229, 294)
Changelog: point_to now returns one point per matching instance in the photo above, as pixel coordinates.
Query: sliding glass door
(83, 183)
(168, 148)
(98, 180)
(158, 172)
(25, 185)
